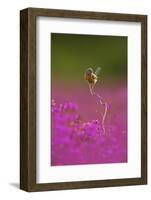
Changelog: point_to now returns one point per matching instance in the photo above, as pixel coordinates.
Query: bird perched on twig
(92, 77)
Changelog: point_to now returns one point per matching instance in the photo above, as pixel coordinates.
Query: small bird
(92, 77)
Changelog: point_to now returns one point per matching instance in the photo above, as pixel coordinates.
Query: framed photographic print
(83, 99)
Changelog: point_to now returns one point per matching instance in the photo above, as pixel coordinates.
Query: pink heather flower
(75, 141)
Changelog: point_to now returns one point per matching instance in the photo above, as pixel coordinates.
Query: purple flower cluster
(75, 141)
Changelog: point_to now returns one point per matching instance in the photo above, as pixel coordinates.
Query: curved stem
(104, 116)
(102, 103)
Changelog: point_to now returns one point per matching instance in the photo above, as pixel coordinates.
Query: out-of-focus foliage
(71, 54)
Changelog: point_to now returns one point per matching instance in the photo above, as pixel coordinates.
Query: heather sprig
(66, 118)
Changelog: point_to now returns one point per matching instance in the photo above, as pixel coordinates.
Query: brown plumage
(90, 76)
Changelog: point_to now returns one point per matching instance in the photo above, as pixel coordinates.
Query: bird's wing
(97, 72)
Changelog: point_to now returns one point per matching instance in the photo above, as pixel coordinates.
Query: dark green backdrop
(71, 54)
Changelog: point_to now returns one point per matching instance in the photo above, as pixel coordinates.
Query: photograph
(89, 94)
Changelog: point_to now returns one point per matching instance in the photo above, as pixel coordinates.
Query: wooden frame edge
(27, 101)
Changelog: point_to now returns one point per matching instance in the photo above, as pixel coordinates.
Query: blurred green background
(72, 54)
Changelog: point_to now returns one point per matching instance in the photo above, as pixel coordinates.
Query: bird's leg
(91, 86)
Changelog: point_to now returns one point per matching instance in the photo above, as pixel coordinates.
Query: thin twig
(104, 116)
(102, 103)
